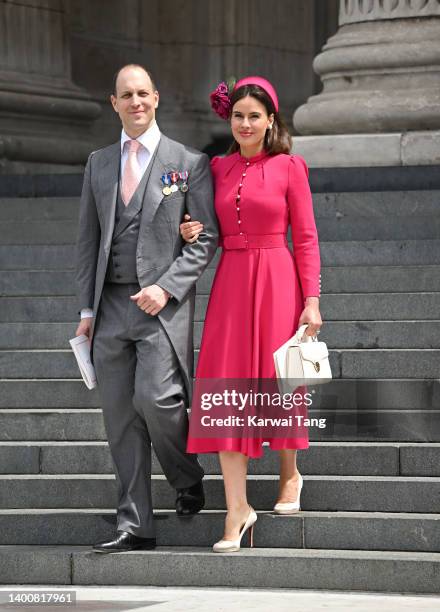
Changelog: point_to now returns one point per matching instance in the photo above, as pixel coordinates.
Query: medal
(184, 177)
(174, 178)
(166, 181)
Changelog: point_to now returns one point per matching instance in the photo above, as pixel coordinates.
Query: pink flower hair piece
(221, 96)
(220, 100)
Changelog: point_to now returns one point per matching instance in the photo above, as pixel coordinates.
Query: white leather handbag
(303, 358)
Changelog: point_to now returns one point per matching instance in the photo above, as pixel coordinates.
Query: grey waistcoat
(121, 267)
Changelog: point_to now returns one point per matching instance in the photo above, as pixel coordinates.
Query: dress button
(241, 233)
(247, 163)
(238, 208)
(239, 221)
(244, 174)
(238, 197)
(241, 185)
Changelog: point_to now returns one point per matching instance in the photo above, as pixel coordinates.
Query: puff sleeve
(214, 163)
(304, 233)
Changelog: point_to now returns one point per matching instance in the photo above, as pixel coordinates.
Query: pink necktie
(132, 172)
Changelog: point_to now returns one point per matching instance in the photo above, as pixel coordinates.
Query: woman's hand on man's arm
(190, 230)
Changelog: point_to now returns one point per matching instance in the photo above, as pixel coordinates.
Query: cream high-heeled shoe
(223, 546)
(290, 507)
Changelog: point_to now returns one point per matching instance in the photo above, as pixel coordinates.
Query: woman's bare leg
(234, 469)
(289, 476)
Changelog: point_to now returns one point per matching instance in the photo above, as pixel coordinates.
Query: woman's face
(249, 122)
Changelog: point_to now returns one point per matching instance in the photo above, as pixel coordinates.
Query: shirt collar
(148, 139)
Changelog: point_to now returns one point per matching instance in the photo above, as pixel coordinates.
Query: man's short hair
(115, 77)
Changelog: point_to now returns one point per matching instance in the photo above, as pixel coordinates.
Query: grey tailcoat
(162, 257)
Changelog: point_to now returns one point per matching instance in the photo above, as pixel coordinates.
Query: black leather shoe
(124, 542)
(190, 500)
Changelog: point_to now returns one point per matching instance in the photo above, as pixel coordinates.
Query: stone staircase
(371, 499)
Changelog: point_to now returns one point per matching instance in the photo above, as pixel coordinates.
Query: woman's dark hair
(276, 140)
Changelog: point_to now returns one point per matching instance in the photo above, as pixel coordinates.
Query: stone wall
(73, 48)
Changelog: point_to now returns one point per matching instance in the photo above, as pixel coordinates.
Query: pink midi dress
(260, 286)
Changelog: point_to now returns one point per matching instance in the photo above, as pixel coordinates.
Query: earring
(269, 127)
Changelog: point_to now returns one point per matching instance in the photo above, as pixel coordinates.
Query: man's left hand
(151, 299)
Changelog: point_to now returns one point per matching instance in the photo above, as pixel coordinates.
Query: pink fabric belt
(252, 241)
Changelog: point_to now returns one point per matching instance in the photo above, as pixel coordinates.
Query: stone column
(44, 118)
(380, 102)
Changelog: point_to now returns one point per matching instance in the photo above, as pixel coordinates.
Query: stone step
(39, 309)
(348, 363)
(38, 282)
(340, 279)
(338, 228)
(377, 204)
(344, 425)
(49, 231)
(308, 530)
(337, 307)
(328, 205)
(345, 363)
(39, 335)
(84, 424)
(47, 393)
(339, 394)
(66, 209)
(343, 279)
(352, 570)
(373, 306)
(380, 253)
(322, 180)
(58, 363)
(340, 253)
(325, 458)
(389, 363)
(331, 493)
(69, 185)
(366, 228)
(37, 257)
(337, 334)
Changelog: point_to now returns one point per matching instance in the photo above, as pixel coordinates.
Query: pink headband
(263, 83)
(220, 97)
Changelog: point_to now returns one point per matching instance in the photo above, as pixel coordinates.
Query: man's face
(135, 101)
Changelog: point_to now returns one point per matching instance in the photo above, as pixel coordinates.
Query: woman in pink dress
(261, 293)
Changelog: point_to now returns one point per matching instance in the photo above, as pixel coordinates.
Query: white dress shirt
(149, 141)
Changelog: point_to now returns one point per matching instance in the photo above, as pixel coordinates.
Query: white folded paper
(81, 349)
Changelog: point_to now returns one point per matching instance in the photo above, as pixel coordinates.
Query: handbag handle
(301, 334)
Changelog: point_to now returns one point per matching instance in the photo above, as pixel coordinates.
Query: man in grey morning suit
(136, 286)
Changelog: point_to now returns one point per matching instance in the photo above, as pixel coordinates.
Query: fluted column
(381, 75)
(44, 118)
